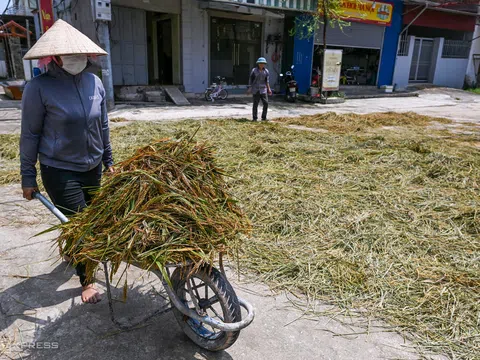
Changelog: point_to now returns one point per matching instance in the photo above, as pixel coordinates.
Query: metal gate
(421, 60)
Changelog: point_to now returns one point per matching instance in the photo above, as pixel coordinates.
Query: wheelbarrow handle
(50, 206)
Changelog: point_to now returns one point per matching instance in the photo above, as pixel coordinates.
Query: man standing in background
(259, 86)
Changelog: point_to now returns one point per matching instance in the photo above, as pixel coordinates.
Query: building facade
(434, 47)
(188, 43)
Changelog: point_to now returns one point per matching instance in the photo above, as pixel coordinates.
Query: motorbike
(291, 86)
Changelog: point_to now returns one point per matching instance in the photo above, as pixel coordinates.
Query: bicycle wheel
(215, 297)
(223, 94)
(208, 95)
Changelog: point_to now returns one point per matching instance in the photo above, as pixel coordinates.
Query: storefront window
(234, 47)
(359, 65)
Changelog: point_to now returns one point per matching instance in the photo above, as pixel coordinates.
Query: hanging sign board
(370, 12)
(46, 14)
(332, 64)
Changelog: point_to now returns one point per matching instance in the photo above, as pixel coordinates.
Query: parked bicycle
(216, 90)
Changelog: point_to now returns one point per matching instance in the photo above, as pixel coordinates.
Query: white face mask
(74, 64)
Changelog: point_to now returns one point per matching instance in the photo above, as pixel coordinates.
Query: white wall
(473, 66)
(194, 47)
(402, 66)
(449, 72)
(26, 68)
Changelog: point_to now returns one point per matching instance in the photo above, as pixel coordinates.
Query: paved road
(39, 296)
(454, 104)
(39, 304)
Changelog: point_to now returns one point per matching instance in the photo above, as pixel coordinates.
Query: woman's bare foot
(90, 294)
(66, 258)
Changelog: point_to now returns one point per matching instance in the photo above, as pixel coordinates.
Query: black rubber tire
(223, 94)
(207, 95)
(227, 299)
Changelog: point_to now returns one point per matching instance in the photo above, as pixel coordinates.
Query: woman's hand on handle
(28, 192)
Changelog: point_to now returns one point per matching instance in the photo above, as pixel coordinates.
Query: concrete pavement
(450, 103)
(40, 307)
(39, 295)
(454, 104)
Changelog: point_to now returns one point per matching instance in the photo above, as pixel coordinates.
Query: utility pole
(106, 63)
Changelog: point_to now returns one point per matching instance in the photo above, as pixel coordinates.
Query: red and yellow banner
(46, 14)
(370, 12)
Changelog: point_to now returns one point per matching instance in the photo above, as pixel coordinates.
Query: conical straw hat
(63, 39)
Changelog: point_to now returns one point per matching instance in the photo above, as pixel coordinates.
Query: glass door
(235, 45)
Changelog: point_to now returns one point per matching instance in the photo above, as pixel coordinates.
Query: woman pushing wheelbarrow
(166, 209)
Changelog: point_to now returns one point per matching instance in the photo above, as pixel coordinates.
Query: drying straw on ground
(376, 214)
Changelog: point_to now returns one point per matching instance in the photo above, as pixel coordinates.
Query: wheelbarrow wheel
(215, 297)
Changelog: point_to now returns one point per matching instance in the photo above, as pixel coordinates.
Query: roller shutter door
(358, 35)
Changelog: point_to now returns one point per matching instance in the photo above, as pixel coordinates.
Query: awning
(241, 8)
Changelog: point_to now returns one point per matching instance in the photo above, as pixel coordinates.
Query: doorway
(235, 46)
(421, 60)
(164, 48)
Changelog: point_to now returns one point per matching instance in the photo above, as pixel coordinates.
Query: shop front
(224, 40)
(361, 41)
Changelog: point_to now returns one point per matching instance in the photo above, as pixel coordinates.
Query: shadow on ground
(85, 331)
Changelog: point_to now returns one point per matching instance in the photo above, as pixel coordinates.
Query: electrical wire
(6, 7)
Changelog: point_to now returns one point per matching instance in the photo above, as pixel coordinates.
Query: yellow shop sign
(370, 12)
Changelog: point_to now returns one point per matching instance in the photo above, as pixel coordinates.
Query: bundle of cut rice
(167, 204)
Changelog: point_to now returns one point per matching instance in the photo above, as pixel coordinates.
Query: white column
(401, 73)
(436, 70)
(473, 66)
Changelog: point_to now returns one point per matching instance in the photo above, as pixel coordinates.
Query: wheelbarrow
(203, 301)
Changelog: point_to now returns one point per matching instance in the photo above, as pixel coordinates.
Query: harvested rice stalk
(348, 123)
(166, 204)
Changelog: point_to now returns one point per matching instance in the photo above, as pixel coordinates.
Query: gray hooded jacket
(64, 123)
